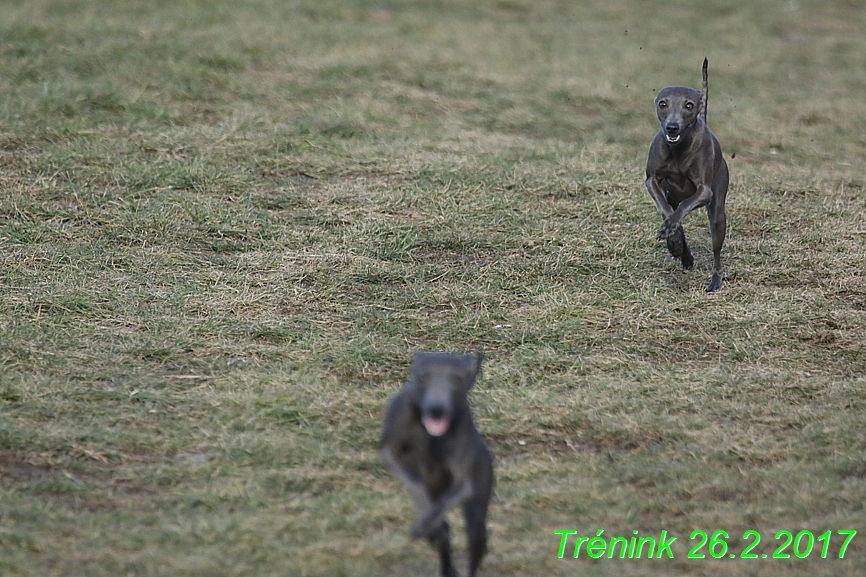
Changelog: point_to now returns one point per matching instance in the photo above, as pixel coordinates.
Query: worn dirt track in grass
(225, 226)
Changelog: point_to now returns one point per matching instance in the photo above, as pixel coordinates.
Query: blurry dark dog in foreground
(430, 442)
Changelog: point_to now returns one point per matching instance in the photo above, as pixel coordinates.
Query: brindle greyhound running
(685, 170)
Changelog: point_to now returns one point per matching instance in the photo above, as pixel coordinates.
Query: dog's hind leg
(718, 226)
(440, 539)
(475, 513)
(718, 223)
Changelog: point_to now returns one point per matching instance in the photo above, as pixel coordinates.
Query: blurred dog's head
(440, 384)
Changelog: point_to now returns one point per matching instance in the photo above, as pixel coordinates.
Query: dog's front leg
(672, 222)
(432, 519)
(659, 196)
(415, 485)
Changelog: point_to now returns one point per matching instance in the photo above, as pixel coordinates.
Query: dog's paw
(668, 229)
(715, 283)
(676, 245)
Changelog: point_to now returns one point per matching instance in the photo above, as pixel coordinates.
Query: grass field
(226, 225)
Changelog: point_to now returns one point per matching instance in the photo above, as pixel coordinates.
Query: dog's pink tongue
(435, 427)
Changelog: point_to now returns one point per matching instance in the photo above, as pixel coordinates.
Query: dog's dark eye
(663, 104)
(689, 105)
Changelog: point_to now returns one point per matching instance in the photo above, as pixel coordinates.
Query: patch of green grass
(225, 227)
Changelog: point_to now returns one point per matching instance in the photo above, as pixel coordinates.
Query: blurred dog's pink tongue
(435, 427)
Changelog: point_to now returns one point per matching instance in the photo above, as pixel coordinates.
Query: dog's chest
(675, 167)
(419, 451)
(432, 464)
(673, 172)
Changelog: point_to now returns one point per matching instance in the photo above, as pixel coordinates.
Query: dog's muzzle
(672, 132)
(436, 421)
(435, 427)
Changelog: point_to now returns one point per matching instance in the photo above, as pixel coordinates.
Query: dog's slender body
(686, 170)
(431, 444)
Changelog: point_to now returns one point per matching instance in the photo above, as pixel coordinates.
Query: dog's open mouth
(673, 139)
(435, 426)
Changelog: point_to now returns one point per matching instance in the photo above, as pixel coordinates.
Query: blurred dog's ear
(471, 364)
(475, 365)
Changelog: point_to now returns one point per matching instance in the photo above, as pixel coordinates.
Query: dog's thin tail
(704, 91)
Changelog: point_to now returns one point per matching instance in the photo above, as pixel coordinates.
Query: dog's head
(440, 383)
(678, 109)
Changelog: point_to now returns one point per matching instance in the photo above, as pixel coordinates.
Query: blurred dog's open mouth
(435, 426)
(673, 139)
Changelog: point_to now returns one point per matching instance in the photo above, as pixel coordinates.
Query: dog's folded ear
(470, 367)
(474, 364)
